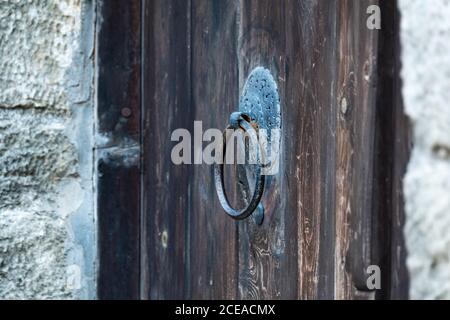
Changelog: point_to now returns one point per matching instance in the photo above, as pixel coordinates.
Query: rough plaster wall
(46, 211)
(425, 37)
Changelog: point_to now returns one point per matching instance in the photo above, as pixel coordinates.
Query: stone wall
(47, 234)
(425, 39)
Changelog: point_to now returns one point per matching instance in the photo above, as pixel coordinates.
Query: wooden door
(334, 208)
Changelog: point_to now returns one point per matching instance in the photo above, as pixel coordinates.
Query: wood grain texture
(263, 253)
(357, 90)
(166, 107)
(393, 145)
(118, 160)
(372, 151)
(311, 44)
(190, 74)
(296, 240)
(214, 70)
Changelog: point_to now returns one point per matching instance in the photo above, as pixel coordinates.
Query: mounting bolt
(126, 112)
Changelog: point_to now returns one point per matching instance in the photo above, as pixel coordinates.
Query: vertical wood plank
(402, 144)
(118, 152)
(295, 41)
(263, 249)
(372, 151)
(213, 235)
(393, 145)
(357, 90)
(166, 107)
(310, 96)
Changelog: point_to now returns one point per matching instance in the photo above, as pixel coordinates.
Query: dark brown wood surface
(335, 206)
(166, 107)
(118, 148)
(393, 143)
(214, 74)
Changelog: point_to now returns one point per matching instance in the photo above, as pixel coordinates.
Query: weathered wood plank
(118, 151)
(213, 235)
(310, 132)
(295, 41)
(393, 145)
(356, 98)
(262, 249)
(166, 107)
(372, 149)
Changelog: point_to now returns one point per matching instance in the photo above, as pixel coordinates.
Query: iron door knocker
(243, 121)
(259, 108)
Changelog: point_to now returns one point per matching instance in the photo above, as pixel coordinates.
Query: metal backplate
(260, 100)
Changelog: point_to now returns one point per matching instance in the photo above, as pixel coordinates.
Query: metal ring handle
(238, 120)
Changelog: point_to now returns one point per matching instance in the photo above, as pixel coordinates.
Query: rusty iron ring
(238, 120)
